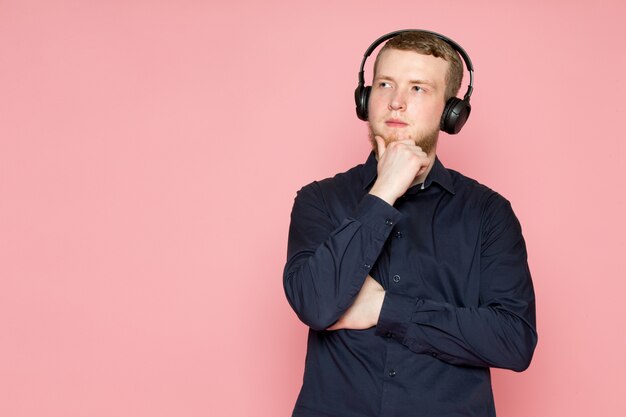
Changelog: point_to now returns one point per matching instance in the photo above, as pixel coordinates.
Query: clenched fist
(399, 165)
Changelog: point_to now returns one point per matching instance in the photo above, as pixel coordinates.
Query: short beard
(427, 141)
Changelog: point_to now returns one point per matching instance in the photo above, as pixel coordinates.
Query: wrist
(388, 197)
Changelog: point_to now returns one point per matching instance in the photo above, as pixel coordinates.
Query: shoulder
(491, 210)
(340, 184)
(478, 195)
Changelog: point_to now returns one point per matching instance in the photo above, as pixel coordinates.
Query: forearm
(327, 265)
(490, 336)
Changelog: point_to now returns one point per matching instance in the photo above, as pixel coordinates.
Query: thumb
(380, 145)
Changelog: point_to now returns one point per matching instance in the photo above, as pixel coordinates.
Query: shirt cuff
(377, 214)
(395, 316)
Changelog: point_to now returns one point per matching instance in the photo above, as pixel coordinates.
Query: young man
(412, 278)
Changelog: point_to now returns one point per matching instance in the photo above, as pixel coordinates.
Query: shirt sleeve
(501, 331)
(328, 262)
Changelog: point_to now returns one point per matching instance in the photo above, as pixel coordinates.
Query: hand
(364, 311)
(399, 164)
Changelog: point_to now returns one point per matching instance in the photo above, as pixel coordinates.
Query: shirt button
(398, 235)
(367, 266)
(389, 222)
(434, 354)
(396, 278)
(392, 373)
(389, 334)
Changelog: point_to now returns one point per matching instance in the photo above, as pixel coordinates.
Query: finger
(417, 150)
(380, 145)
(411, 144)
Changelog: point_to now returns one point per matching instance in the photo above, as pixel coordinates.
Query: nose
(398, 101)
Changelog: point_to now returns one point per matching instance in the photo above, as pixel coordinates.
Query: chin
(427, 140)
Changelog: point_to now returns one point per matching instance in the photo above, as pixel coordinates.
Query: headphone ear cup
(455, 114)
(361, 98)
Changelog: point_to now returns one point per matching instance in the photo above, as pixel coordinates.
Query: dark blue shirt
(459, 297)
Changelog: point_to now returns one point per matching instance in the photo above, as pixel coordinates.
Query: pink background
(150, 152)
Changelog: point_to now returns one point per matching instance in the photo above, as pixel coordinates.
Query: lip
(395, 123)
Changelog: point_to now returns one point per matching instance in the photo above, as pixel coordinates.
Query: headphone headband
(458, 48)
(456, 110)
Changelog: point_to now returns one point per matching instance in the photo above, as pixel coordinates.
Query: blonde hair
(428, 44)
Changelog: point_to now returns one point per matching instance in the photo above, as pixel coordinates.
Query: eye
(417, 88)
(384, 84)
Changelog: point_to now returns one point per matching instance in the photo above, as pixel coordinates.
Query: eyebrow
(387, 78)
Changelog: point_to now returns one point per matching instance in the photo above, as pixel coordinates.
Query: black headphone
(456, 112)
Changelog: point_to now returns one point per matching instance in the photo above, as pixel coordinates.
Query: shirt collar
(438, 174)
(369, 171)
(441, 176)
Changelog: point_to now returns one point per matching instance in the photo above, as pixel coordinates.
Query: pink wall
(149, 156)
